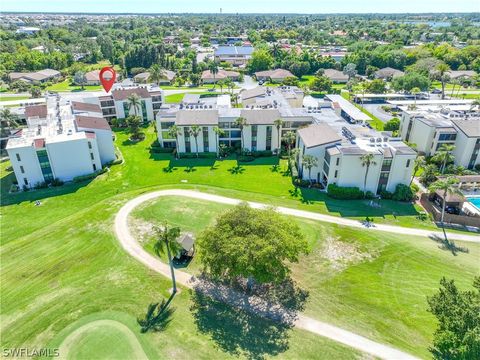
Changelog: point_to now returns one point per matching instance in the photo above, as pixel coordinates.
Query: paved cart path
(130, 244)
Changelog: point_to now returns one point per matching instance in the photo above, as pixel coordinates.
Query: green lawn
(61, 262)
(177, 98)
(12, 98)
(66, 86)
(372, 283)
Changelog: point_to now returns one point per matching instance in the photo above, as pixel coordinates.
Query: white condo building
(430, 126)
(333, 131)
(116, 104)
(63, 139)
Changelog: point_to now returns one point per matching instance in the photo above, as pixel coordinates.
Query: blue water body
(475, 201)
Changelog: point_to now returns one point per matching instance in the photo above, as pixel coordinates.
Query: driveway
(376, 110)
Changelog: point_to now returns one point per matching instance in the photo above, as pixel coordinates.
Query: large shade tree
(458, 313)
(256, 244)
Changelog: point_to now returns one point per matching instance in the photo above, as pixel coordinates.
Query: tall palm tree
(174, 131)
(275, 50)
(218, 132)
(289, 139)
(309, 162)
(195, 131)
(419, 163)
(157, 74)
(234, 98)
(133, 101)
(278, 124)
(367, 160)
(446, 186)
(8, 120)
(444, 155)
(241, 123)
(442, 74)
(167, 241)
(213, 67)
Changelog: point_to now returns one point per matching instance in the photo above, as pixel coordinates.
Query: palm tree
(8, 120)
(222, 84)
(234, 98)
(415, 91)
(174, 131)
(241, 123)
(289, 139)
(195, 131)
(157, 74)
(446, 186)
(275, 50)
(309, 162)
(475, 103)
(134, 102)
(278, 124)
(218, 132)
(167, 240)
(444, 155)
(442, 70)
(367, 160)
(419, 163)
(213, 67)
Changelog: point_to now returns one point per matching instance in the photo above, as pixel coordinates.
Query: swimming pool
(475, 201)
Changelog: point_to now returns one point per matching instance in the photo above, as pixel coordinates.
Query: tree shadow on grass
(190, 169)
(238, 332)
(158, 316)
(275, 168)
(448, 245)
(236, 170)
(169, 169)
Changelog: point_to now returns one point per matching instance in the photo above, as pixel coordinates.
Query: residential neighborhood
(247, 180)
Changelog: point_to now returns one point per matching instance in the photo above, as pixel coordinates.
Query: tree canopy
(458, 314)
(251, 243)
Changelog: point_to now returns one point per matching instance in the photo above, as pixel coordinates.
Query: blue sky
(243, 6)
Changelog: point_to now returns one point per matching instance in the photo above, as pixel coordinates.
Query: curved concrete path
(130, 244)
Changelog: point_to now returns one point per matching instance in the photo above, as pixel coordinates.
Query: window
(447, 137)
(89, 145)
(408, 163)
(205, 139)
(254, 137)
(337, 163)
(336, 174)
(94, 167)
(167, 125)
(269, 138)
(186, 133)
(22, 170)
(18, 157)
(91, 156)
(25, 181)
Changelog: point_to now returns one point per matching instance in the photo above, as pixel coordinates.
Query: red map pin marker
(107, 77)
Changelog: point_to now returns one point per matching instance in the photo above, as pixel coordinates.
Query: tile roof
(318, 134)
(123, 94)
(91, 122)
(222, 74)
(36, 110)
(196, 117)
(260, 116)
(81, 106)
(275, 74)
(252, 93)
(471, 128)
